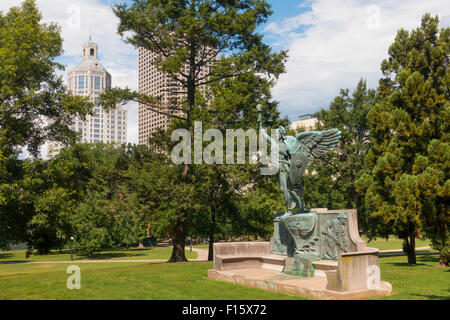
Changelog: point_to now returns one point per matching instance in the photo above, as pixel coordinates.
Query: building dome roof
(90, 63)
(90, 58)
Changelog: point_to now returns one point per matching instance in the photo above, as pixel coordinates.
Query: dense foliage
(35, 107)
(392, 163)
(330, 182)
(407, 184)
(201, 44)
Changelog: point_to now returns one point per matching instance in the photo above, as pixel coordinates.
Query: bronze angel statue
(296, 154)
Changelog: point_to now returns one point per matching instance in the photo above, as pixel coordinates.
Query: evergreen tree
(407, 181)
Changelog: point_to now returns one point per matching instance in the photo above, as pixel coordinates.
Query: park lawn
(124, 281)
(393, 243)
(188, 281)
(154, 253)
(423, 281)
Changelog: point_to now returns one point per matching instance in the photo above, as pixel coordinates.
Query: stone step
(324, 265)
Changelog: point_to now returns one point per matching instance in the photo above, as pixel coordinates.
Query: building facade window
(81, 82)
(97, 82)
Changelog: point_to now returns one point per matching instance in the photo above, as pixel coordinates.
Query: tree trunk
(443, 259)
(211, 242)
(409, 247)
(211, 248)
(443, 240)
(179, 242)
(443, 262)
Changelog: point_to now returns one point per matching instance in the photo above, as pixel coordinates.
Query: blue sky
(332, 44)
(282, 9)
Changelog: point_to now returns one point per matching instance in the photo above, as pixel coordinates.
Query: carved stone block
(319, 234)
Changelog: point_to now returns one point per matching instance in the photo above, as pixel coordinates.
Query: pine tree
(407, 181)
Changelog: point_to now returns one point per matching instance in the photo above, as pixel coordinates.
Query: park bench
(239, 255)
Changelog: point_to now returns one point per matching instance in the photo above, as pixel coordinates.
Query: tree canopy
(219, 38)
(406, 185)
(35, 107)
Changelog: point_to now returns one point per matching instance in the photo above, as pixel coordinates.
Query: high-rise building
(90, 78)
(158, 84)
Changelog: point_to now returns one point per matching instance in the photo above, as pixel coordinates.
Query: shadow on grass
(421, 261)
(110, 255)
(13, 262)
(116, 253)
(432, 296)
(405, 264)
(5, 255)
(430, 258)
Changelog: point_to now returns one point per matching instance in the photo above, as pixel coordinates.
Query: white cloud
(340, 42)
(345, 40)
(77, 19)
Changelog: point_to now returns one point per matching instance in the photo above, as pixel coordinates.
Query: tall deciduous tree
(34, 105)
(217, 35)
(407, 182)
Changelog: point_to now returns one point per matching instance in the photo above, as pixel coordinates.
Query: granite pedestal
(318, 255)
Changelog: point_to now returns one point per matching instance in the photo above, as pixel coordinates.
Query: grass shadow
(13, 262)
(425, 260)
(431, 296)
(404, 264)
(118, 253)
(112, 255)
(429, 258)
(5, 255)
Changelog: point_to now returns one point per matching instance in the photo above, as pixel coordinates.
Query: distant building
(308, 122)
(159, 84)
(89, 78)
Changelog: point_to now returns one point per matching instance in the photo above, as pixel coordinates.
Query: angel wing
(315, 144)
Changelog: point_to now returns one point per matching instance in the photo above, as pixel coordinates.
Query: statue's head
(282, 132)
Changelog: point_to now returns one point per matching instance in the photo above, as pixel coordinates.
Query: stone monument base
(317, 255)
(354, 275)
(312, 287)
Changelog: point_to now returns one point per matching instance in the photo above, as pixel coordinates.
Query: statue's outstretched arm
(263, 131)
(265, 135)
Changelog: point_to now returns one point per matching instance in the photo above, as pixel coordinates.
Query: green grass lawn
(392, 243)
(423, 281)
(154, 253)
(188, 281)
(154, 281)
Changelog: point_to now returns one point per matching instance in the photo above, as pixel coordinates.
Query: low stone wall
(239, 255)
(326, 240)
(356, 275)
(356, 271)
